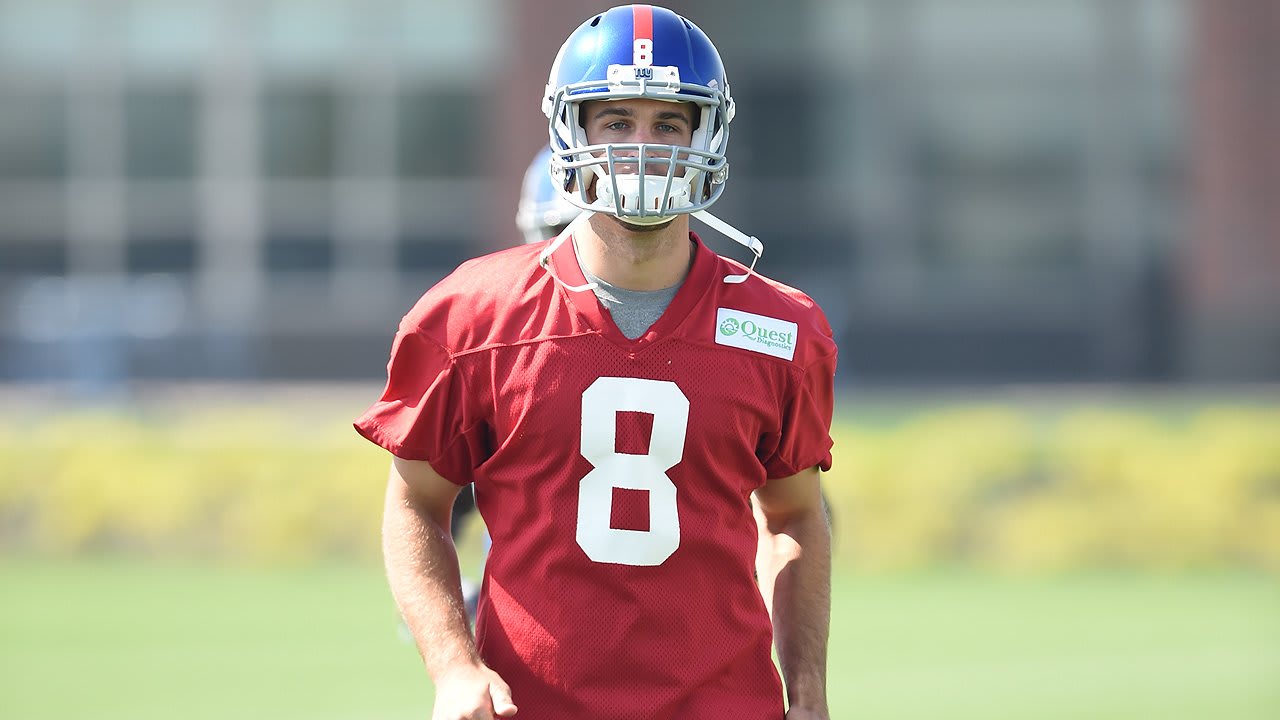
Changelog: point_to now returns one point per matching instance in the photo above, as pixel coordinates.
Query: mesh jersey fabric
(502, 377)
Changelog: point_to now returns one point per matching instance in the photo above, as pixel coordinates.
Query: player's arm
(422, 570)
(794, 566)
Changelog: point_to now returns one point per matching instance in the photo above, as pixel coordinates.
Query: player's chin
(637, 228)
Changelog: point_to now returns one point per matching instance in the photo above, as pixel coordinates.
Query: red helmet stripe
(642, 20)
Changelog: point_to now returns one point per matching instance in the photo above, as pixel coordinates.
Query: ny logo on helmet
(644, 73)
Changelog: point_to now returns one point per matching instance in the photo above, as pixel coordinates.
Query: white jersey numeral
(601, 404)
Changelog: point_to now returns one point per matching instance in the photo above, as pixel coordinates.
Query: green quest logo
(759, 333)
(731, 326)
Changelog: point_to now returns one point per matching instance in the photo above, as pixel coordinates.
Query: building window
(160, 133)
(299, 253)
(161, 255)
(441, 131)
(33, 135)
(1000, 174)
(33, 256)
(298, 132)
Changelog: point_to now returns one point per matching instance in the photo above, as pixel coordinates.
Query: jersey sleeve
(805, 438)
(423, 413)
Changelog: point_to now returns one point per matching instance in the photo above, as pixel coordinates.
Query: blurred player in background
(541, 215)
(464, 508)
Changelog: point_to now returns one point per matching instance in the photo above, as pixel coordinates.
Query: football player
(626, 404)
(543, 212)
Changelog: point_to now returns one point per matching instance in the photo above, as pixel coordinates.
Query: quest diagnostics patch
(758, 333)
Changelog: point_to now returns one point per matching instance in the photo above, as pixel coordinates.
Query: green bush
(997, 486)
(1089, 487)
(250, 484)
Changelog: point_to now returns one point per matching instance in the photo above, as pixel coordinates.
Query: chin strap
(544, 257)
(750, 242)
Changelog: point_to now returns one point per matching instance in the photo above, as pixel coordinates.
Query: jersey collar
(694, 287)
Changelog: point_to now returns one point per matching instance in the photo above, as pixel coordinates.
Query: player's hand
(473, 692)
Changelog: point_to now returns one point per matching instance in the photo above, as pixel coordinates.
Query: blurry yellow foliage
(1032, 491)
(243, 484)
(998, 486)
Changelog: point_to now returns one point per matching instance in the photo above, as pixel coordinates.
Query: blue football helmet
(543, 213)
(639, 51)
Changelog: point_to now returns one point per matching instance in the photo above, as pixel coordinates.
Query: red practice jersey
(615, 475)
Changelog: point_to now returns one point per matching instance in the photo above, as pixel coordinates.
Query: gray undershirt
(633, 311)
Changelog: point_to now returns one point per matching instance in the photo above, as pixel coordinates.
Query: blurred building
(975, 190)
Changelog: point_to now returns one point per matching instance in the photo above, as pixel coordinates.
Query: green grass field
(121, 639)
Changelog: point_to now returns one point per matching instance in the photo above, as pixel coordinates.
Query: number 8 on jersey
(601, 403)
